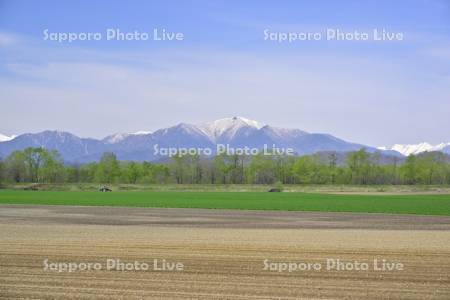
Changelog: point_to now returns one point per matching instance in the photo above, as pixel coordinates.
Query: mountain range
(406, 149)
(236, 132)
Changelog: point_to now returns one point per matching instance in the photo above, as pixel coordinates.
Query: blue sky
(371, 92)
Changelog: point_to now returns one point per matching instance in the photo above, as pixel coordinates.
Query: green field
(402, 204)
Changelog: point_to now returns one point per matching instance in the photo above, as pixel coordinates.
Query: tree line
(38, 165)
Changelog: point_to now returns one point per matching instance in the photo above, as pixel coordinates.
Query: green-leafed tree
(52, 169)
(15, 169)
(262, 169)
(131, 172)
(359, 165)
(107, 170)
(408, 171)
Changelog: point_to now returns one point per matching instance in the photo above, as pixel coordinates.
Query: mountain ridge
(236, 132)
(407, 149)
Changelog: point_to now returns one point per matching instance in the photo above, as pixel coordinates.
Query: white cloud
(8, 39)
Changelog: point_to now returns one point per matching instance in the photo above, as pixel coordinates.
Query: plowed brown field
(222, 259)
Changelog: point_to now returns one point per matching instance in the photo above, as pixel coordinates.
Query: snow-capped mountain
(118, 137)
(182, 135)
(227, 128)
(236, 132)
(5, 138)
(418, 148)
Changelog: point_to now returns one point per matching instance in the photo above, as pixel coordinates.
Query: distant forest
(38, 165)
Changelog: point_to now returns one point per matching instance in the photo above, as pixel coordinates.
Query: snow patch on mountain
(5, 138)
(115, 138)
(118, 137)
(406, 149)
(185, 128)
(285, 133)
(141, 132)
(227, 127)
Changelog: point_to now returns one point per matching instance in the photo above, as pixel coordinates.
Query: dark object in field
(274, 190)
(105, 189)
(33, 187)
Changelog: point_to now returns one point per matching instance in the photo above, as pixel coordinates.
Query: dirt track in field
(223, 253)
